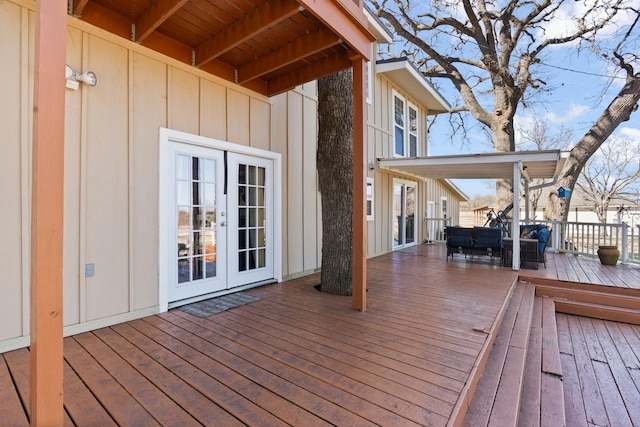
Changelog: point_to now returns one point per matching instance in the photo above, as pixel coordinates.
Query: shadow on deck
(300, 357)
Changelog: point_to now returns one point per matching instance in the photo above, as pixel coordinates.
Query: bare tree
(613, 172)
(617, 112)
(537, 136)
(489, 52)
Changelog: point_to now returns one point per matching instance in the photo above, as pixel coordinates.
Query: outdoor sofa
(475, 241)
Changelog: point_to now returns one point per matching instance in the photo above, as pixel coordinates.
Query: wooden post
(359, 275)
(47, 213)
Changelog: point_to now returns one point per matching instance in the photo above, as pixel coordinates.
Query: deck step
(497, 398)
(542, 389)
(599, 311)
(604, 295)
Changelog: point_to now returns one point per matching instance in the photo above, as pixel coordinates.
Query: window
(413, 131)
(406, 127)
(398, 125)
(369, 195)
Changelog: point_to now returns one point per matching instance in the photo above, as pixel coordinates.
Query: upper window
(405, 127)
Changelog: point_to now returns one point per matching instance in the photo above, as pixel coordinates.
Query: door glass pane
(410, 215)
(198, 268)
(251, 217)
(397, 213)
(196, 211)
(183, 167)
(210, 170)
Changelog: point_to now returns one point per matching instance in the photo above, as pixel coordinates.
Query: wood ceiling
(269, 46)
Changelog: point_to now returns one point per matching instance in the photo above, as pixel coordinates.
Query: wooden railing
(583, 238)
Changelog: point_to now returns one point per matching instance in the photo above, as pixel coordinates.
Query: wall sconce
(372, 165)
(74, 78)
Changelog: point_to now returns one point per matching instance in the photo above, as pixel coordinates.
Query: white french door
(404, 213)
(196, 208)
(216, 220)
(250, 205)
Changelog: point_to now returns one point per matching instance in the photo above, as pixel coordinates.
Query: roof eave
(406, 77)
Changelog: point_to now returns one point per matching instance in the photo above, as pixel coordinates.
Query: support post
(527, 205)
(47, 213)
(624, 251)
(515, 223)
(359, 273)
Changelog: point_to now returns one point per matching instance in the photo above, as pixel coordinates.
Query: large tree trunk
(618, 111)
(503, 141)
(335, 174)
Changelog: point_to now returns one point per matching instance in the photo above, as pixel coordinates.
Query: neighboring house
(581, 211)
(181, 184)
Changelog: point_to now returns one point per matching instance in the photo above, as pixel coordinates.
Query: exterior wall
(111, 168)
(380, 145)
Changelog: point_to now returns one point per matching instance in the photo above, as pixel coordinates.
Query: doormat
(212, 306)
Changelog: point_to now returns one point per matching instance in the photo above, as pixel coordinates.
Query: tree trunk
(618, 111)
(503, 141)
(335, 174)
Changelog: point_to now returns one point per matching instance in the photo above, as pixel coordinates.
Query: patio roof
(269, 47)
(535, 165)
(511, 165)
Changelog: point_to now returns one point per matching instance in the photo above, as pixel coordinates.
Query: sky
(577, 94)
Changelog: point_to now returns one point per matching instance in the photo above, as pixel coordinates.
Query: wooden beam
(307, 73)
(359, 275)
(345, 19)
(47, 213)
(78, 7)
(160, 11)
(268, 15)
(308, 45)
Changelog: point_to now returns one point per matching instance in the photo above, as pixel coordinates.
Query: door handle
(223, 224)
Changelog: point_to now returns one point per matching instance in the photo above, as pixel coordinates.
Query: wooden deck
(300, 357)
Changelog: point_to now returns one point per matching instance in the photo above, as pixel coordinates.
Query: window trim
(394, 124)
(408, 106)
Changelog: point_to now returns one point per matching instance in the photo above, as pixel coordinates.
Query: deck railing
(583, 238)
(435, 229)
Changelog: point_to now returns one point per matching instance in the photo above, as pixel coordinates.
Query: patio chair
(540, 232)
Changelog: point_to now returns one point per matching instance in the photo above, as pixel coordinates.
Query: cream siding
(111, 168)
(380, 140)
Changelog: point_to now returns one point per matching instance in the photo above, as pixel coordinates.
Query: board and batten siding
(111, 168)
(380, 144)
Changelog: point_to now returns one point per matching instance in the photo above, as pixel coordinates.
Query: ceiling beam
(268, 15)
(345, 18)
(309, 72)
(302, 47)
(78, 7)
(160, 11)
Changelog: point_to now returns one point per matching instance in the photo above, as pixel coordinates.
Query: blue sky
(579, 88)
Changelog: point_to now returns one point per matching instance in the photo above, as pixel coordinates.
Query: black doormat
(212, 306)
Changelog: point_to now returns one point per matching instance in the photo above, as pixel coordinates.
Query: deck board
(10, 406)
(301, 357)
(530, 411)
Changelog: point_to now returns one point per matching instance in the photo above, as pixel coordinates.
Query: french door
(404, 213)
(217, 211)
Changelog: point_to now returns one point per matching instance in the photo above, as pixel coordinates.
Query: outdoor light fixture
(74, 78)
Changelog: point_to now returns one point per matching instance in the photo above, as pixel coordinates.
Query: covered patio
(295, 356)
